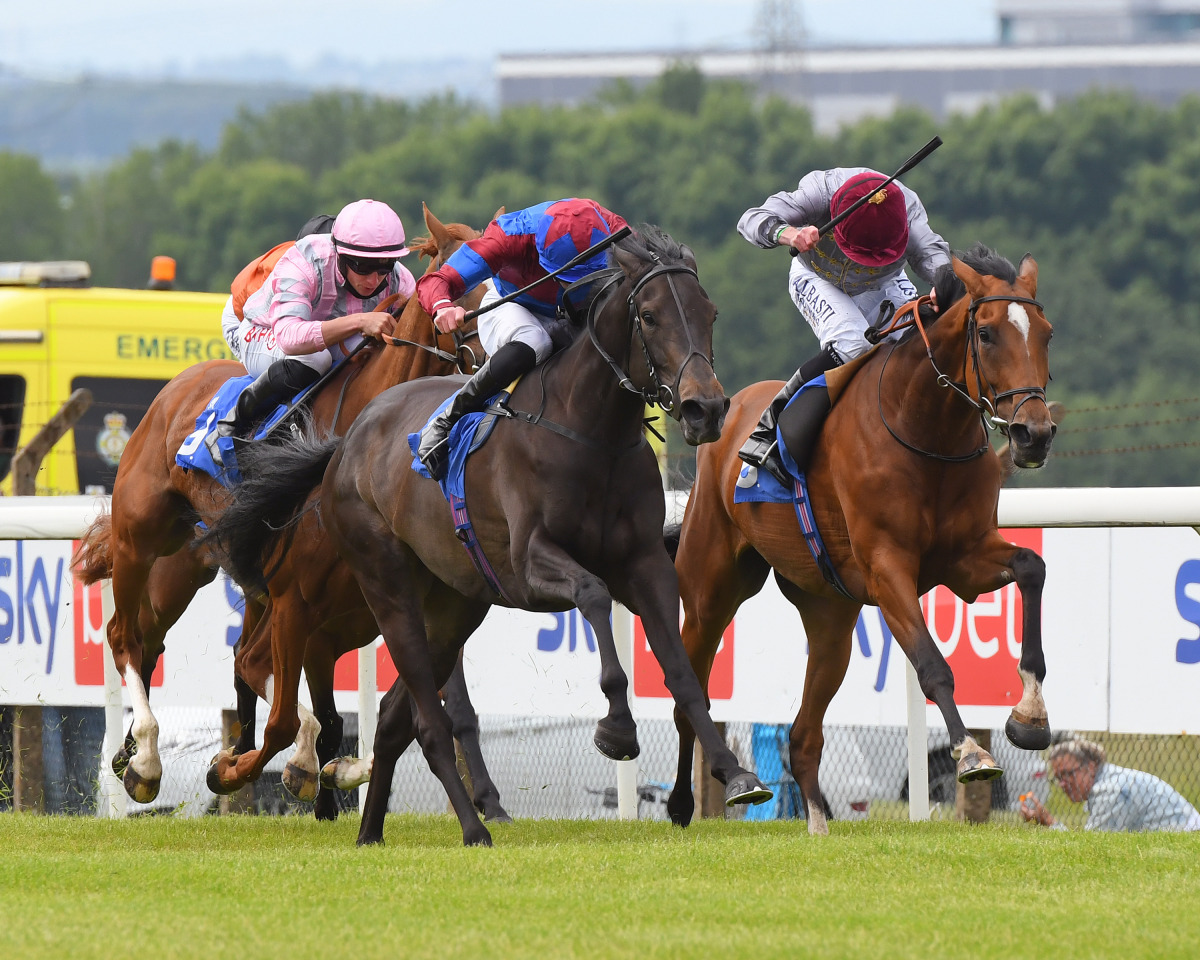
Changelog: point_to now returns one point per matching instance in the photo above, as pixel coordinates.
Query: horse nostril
(1018, 433)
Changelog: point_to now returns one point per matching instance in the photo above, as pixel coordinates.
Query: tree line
(1104, 190)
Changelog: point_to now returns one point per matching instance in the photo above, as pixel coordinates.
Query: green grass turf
(272, 887)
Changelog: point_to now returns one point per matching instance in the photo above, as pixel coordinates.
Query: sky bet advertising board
(1120, 620)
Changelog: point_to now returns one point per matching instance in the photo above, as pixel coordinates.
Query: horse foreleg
(554, 574)
(395, 731)
(280, 687)
(466, 731)
(998, 564)
(653, 594)
(896, 592)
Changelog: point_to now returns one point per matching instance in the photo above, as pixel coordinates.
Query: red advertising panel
(648, 676)
(345, 671)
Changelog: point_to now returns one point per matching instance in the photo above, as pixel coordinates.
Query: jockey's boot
(800, 425)
(512, 360)
(281, 381)
(761, 448)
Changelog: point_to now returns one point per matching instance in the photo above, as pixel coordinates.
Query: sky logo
(30, 595)
(571, 626)
(1187, 651)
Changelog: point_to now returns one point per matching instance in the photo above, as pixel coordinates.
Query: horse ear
(436, 228)
(1027, 271)
(500, 211)
(971, 280)
(688, 257)
(631, 263)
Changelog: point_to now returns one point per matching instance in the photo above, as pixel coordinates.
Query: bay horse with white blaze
(904, 487)
(565, 498)
(144, 544)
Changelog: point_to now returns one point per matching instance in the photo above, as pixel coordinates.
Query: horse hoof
(681, 807)
(616, 742)
(1034, 735)
(300, 783)
(477, 836)
(120, 762)
(214, 782)
(139, 788)
(501, 817)
(976, 767)
(746, 788)
(345, 773)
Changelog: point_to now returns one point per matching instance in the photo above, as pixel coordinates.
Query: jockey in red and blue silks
(516, 249)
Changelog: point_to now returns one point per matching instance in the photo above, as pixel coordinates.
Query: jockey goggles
(365, 266)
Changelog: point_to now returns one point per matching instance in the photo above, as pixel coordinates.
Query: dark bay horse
(566, 501)
(904, 488)
(140, 543)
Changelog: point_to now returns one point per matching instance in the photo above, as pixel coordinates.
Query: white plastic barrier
(1104, 559)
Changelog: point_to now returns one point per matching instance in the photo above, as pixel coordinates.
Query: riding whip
(904, 168)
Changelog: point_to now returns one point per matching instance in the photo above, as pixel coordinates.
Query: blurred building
(1054, 49)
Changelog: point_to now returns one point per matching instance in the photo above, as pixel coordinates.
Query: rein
(460, 344)
(988, 417)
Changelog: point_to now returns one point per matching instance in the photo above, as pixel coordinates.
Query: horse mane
(651, 242)
(980, 258)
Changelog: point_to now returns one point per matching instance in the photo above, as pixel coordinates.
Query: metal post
(627, 771)
(111, 799)
(918, 747)
(368, 708)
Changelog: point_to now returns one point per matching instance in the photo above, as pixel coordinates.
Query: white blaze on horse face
(1019, 319)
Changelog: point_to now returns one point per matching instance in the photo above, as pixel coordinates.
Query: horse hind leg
(466, 731)
(396, 730)
(828, 624)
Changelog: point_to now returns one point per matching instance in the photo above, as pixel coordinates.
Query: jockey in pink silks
(317, 305)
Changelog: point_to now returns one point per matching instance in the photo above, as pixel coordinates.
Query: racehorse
(156, 505)
(565, 500)
(904, 491)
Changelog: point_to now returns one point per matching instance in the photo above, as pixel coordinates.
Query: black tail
(279, 474)
(671, 534)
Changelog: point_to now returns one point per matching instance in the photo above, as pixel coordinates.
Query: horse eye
(985, 335)
(647, 318)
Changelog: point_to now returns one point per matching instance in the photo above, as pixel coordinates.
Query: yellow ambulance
(58, 334)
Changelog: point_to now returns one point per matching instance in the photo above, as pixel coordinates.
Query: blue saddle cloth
(761, 486)
(466, 436)
(213, 455)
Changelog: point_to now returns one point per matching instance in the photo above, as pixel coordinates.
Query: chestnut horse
(566, 501)
(904, 487)
(156, 504)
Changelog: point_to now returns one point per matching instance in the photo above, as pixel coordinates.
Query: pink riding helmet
(369, 229)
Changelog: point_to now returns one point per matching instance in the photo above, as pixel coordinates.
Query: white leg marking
(305, 756)
(145, 762)
(351, 772)
(818, 826)
(1019, 319)
(1032, 705)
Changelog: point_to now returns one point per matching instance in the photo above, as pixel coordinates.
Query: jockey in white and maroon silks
(316, 306)
(516, 249)
(839, 282)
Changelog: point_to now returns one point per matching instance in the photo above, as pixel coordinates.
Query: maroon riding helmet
(875, 234)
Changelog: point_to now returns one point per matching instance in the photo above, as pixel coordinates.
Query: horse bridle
(988, 417)
(658, 392)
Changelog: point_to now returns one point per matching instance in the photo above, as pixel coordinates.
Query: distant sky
(186, 37)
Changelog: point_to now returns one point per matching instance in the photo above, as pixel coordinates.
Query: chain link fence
(548, 768)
